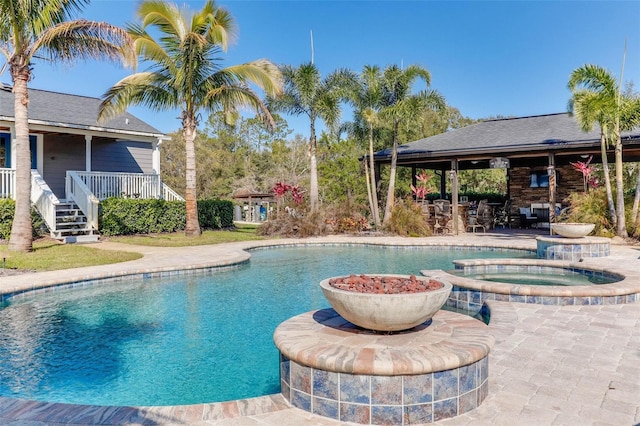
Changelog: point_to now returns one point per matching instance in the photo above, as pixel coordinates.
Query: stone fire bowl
(572, 230)
(386, 312)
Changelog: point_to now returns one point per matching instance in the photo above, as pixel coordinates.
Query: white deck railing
(169, 194)
(7, 183)
(81, 194)
(128, 185)
(44, 199)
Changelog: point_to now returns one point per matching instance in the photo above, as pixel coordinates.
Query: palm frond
(84, 39)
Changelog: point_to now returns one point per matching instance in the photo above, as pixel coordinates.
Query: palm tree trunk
(313, 172)
(392, 177)
(366, 174)
(374, 192)
(607, 177)
(636, 201)
(192, 228)
(21, 231)
(622, 226)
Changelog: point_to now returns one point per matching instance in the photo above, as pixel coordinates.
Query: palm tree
(400, 107)
(590, 107)
(306, 93)
(186, 73)
(43, 30)
(367, 100)
(598, 97)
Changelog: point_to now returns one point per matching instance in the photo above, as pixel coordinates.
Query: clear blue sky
(488, 58)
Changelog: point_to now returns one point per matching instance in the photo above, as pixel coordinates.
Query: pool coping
(192, 260)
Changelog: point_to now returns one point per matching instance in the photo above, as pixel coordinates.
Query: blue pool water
(182, 340)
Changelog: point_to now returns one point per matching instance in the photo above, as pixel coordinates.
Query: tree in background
(597, 97)
(306, 93)
(43, 29)
(186, 73)
(367, 98)
(595, 105)
(401, 107)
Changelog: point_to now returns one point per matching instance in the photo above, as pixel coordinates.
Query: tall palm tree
(43, 30)
(598, 97)
(400, 106)
(589, 108)
(306, 93)
(186, 73)
(367, 97)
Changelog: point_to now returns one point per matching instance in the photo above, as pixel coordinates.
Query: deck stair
(71, 225)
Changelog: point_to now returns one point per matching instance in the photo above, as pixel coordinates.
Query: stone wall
(568, 181)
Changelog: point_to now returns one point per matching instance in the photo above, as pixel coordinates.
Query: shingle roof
(74, 111)
(522, 134)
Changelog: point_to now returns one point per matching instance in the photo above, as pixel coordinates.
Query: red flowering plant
(280, 189)
(587, 171)
(420, 191)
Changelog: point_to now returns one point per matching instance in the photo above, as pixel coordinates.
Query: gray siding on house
(121, 156)
(62, 153)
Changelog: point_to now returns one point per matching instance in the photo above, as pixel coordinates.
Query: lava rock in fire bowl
(386, 302)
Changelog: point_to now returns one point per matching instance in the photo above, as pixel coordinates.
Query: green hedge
(215, 214)
(7, 211)
(126, 216)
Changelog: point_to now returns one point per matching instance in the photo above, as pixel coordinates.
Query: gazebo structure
(253, 207)
(536, 152)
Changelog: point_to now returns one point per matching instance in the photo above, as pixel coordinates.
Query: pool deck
(551, 365)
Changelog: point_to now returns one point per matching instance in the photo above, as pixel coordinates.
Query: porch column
(12, 131)
(551, 172)
(454, 194)
(40, 153)
(155, 156)
(414, 181)
(87, 140)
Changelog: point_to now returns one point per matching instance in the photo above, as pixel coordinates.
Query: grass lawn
(49, 255)
(178, 239)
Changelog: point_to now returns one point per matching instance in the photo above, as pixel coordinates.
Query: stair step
(79, 239)
(71, 225)
(67, 224)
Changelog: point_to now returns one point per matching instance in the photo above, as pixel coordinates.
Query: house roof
(522, 135)
(72, 111)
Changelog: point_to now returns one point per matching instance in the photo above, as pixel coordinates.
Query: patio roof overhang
(525, 141)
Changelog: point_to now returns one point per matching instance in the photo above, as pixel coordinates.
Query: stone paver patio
(551, 365)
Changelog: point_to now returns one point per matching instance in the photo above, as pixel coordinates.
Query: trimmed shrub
(215, 214)
(126, 216)
(7, 210)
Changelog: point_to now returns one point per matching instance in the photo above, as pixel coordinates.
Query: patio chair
(442, 214)
(485, 214)
(527, 218)
(501, 216)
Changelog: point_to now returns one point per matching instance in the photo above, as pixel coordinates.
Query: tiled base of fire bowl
(434, 371)
(573, 249)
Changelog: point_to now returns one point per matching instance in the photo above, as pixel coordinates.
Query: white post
(155, 156)
(12, 130)
(40, 153)
(87, 139)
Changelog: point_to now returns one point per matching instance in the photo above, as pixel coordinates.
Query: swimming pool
(181, 340)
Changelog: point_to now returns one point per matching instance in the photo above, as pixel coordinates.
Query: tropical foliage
(307, 93)
(44, 30)
(186, 73)
(597, 98)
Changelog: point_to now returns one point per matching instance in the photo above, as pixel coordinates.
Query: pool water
(182, 340)
(559, 277)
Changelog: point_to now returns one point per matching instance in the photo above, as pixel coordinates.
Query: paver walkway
(570, 365)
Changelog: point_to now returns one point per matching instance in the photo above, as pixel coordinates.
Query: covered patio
(534, 151)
